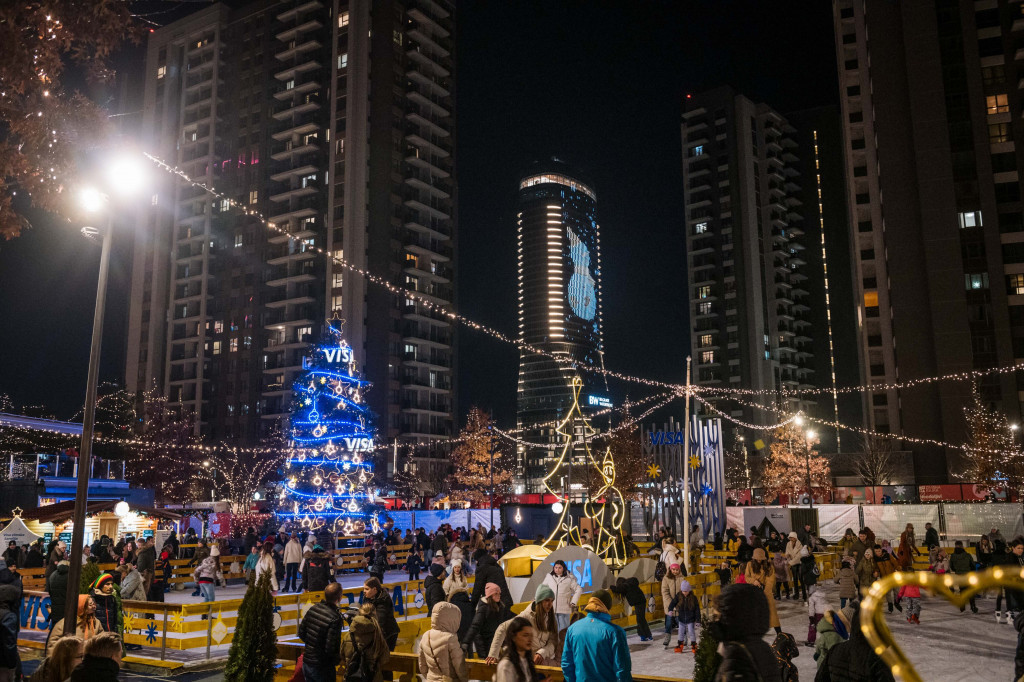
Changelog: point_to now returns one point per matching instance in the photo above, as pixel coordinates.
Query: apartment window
(704, 308)
(1007, 192)
(704, 291)
(867, 254)
(853, 91)
(846, 13)
(700, 228)
(864, 226)
(856, 116)
(336, 302)
(997, 104)
(706, 340)
(970, 219)
(860, 171)
(993, 75)
(397, 37)
(225, 204)
(161, 71)
(254, 196)
(289, 84)
(990, 47)
(707, 357)
(343, 60)
(218, 327)
(850, 64)
(247, 342)
(216, 347)
(343, 20)
(1013, 253)
(238, 239)
(999, 132)
(233, 347)
(976, 281)
(1015, 285)
(338, 279)
(697, 151)
(1011, 222)
(1004, 162)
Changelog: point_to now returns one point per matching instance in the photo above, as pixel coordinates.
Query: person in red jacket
(912, 593)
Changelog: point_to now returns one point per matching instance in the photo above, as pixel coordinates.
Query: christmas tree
(792, 454)
(328, 473)
(253, 652)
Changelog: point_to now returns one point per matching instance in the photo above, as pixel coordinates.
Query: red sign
(741, 497)
(939, 493)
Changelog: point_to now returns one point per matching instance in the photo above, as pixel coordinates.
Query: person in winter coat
(629, 589)
(441, 656)
(439, 545)
(540, 613)
(320, 631)
(671, 585)
(57, 588)
(941, 564)
(686, 608)
(780, 564)
(517, 659)
(1018, 657)
(456, 579)
(292, 559)
(266, 565)
(794, 549)
(363, 648)
(907, 548)
(205, 575)
(912, 593)
(854, 660)
(374, 593)
(10, 623)
(846, 578)
(147, 563)
(102, 660)
(817, 605)
(865, 570)
(846, 543)
(595, 649)
(249, 568)
(318, 570)
(962, 563)
(414, 564)
(785, 649)
(742, 622)
(433, 589)
(884, 565)
(132, 588)
(831, 631)
(725, 575)
(567, 592)
(86, 628)
(488, 571)
(808, 569)
(670, 554)
(108, 607)
(760, 572)
(775, 543)
(161, 576)
(490, 613)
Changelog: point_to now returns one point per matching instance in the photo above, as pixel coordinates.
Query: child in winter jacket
(687, 609)
(912, 593)
(724, 573)
(781, 566)
(414, 564)
(832, 629)
(941, 564)
(785, 649)
(816, 608)
(846, 578)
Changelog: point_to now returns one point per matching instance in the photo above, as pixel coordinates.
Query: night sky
(597, 84)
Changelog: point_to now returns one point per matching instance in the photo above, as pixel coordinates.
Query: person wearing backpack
(363, 648)
(320, 631)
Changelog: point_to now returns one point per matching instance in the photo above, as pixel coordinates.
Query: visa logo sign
(667, 438)
(359, 444)
(580, 569)
(341, 354)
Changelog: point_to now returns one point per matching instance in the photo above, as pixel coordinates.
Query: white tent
(17, 530)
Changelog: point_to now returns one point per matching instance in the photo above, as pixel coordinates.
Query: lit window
(289, 84)
(704, 291)
(999, 132)
(700, 228)
(234, 345)
(254, 196)
(970, 219)
(336, 302)
(342, 60)
(238, 239)
(707, 357)
(225, 204)
(247, 342)
(161, 71)
(343, 20)
(705, 340)
(1015, 284)
(697, 151)
(216, 347)
(218, 327)
(976, 281)
(231, 410)
(338, 279)
(397, 37)
(704, 308)
(997, 104)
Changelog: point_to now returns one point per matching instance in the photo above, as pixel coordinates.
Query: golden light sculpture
(873, 624)
(607, 517)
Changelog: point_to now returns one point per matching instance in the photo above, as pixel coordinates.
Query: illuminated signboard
(598, 401)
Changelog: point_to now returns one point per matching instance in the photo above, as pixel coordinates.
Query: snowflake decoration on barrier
(151, 633)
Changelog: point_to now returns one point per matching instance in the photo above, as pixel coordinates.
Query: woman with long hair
(567, 592)
(541, 615)
(64, 656)
(516, 664)
(88, 626)
(366, 639)
(266, 564)
(761, 573)
(456, 580)
(907, 548)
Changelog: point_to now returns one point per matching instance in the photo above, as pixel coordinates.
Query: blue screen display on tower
(582, 293)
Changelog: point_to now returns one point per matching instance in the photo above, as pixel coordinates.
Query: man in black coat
(319, 570)
(57, 588)
(853, 659)
(488, 571)
(931, 536)
(433, 587)
(320, 630)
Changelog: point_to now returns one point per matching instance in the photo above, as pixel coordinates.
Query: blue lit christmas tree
(328, 476)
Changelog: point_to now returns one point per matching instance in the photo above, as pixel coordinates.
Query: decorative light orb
(121, 509)
(256, 496)
(126, 174)
(557, 507)
(91, 199)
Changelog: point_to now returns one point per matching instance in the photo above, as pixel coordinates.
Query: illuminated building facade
(559, 306)
(343, 137)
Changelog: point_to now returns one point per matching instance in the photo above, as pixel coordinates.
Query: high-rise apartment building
(932, 115)
(335, 121)
(747, 253)
(559, 307)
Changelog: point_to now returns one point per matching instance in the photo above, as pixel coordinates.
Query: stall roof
(63, 511)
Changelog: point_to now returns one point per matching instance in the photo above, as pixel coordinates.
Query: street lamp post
(124, 175)
(807, 449)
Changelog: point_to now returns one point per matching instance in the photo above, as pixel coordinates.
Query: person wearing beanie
(491, 611)
(595, 648)
(365, 647)
(456, 579)
(831, 631)
(671, 585)
(686, 606)
(488, 571)
(108, 612)
(433, 591)
(541, 615)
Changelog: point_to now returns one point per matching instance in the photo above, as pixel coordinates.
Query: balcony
(290, 151)
(290, 34)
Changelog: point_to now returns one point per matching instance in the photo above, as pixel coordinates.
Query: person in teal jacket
(595, 648)
(250, 563)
